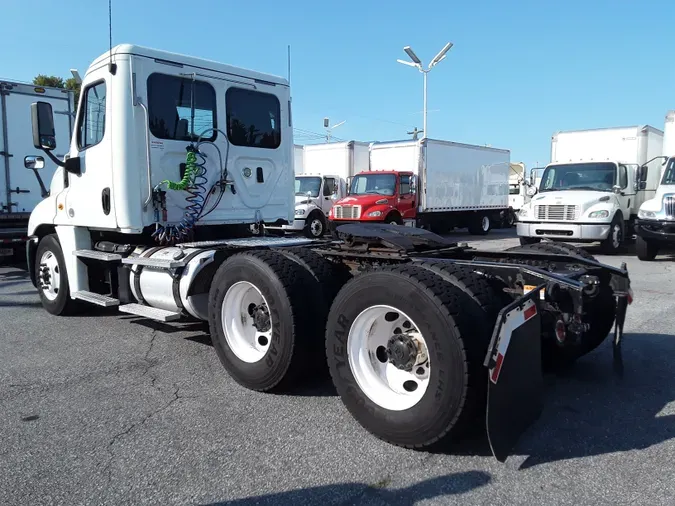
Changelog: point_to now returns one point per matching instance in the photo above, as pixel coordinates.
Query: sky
(518, 72)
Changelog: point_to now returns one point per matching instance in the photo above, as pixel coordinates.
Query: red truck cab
(377, 197)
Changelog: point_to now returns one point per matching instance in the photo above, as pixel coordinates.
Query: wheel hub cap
(402, 352)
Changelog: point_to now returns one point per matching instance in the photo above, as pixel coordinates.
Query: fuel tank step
(160, 315)
(96, 298)
(97, 255)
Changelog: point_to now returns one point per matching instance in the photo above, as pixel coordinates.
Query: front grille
(346, 212)
(557, 212)
(669, 206)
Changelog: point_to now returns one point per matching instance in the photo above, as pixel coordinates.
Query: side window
(253, 118)
(623, 176)
(405, 185)
(92, 118)
(328, 186)
(170, 108)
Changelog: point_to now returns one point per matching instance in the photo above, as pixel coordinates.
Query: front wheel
(52, 277)
(315, 226)
(480, 225)
(646, 250)
(404, 356)
(612, 245)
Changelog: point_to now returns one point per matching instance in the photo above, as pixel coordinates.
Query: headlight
(299, 212)
(599, 214)
(375, 213)
(646, 214)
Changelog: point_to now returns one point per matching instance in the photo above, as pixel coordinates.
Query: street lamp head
(409, 63)
(412, 55)
(441, 54)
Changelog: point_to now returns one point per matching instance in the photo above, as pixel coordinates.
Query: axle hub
(402, 351)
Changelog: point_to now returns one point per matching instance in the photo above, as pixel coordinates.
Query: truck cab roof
(185, 60)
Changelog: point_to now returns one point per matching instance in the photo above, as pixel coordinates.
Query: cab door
(406, 199)
(88, 196)
(628, 194)
(329, 189)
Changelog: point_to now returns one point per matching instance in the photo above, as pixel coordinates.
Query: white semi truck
(326, 170)
(22, 184)
(655, 224)
(421, 335)
(593, 187)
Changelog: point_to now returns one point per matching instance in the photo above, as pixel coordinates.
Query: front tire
(646, 250)
(413, 395)
(260, 319)
(52, 278)
(612, 245)
(480, 225)
(315, 226)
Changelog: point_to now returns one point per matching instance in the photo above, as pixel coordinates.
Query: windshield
(598, 176)
(307, 184)
(669, 173)
(374, 184)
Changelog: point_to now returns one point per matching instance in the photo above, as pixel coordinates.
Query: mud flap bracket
(515, 377)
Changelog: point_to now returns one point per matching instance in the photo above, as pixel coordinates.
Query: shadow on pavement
(355, 493)
(592, 412)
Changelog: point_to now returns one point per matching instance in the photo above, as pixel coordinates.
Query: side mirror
(349, 185)
(42, 119)
(34, 162)
(616, 189)
(533, 178)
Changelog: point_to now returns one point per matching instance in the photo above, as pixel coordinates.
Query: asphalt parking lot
(103, 408)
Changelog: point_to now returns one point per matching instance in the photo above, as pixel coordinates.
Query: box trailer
(298, 159)
(593, 187)
(24, 181)
(430, 184)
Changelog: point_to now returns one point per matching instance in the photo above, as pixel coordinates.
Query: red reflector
(630, 296)
(498, 367)
(530, 312)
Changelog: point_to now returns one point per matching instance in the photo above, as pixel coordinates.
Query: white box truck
(326, 169)
(25, 174)
(590, 192)
(655, 224)
(431, 184)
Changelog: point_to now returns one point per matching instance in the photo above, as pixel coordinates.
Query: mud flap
(515, 377)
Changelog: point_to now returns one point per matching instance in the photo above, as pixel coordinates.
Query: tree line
(59, 82)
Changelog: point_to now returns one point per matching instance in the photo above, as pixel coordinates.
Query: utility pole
(415, 133)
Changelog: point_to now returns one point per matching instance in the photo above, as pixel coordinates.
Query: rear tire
(277, 288)
(600, 314)
(52, 278)
(646, 250)
(452, 392)
(480, 225)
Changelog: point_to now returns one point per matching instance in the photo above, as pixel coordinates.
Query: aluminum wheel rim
(616, 234)
(238, 313)
(382, 382)
(485, 223)
(50, 278)
(316, 227)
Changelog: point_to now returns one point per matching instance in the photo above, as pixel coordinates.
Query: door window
(253, 118)
(623, 176)
(328, 186)
(91, 128)
(405, 185)
(170, 100)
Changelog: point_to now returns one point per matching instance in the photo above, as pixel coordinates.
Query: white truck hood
(585, 199)
(656, 204)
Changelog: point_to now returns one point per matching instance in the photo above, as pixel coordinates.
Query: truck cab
(655, 224)
(314, 196)
(377, 196)
(586, 201)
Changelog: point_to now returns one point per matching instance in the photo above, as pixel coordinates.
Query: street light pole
(417, 63)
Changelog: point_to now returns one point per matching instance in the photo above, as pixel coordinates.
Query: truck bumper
(564, 231)
(297, 226)
(656, 230)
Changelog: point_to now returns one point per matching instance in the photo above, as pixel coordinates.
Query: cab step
(97, 255)
(157, 263)
(96, 298)
(160, 315)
